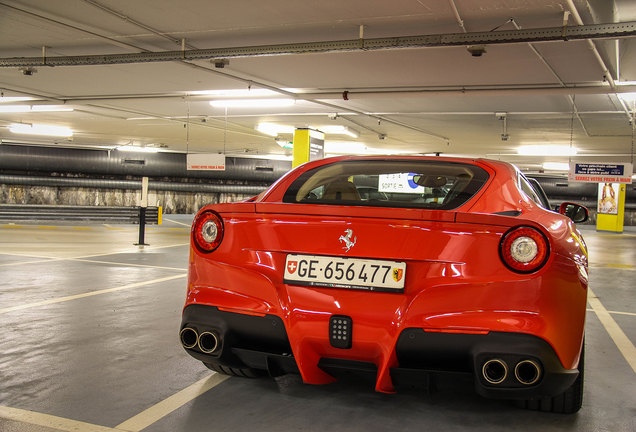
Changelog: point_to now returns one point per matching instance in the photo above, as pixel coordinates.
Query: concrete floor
(89, 343)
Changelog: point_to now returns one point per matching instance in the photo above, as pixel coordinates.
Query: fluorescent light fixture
(244, 92)
(556, 166)
(627, 97)
(342, 130)
(34, 108)
(50, 108)
(274, 129)
(14, 99)
(546, 150)
(130, 148)
(341, 148)
(316, 134)
(41, 130)
(252, 103)
(235, 92)
(392, 151)
(14, 108)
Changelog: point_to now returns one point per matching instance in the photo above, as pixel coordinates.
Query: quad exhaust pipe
(527, 372)
(189, 337)
(495, 371)
(208, 342)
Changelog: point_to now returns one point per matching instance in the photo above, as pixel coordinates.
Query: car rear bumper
(499, 364)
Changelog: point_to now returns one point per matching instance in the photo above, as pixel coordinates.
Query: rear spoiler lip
(503, 218)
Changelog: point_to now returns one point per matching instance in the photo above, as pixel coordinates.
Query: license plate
(339, 272)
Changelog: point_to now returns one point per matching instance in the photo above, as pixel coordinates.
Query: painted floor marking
(131, 250)
(125, 264)
(90, 294)
(135, 424)
(621, 340)
(39, 261)
(165, 407)
(49, 421)
(620, 266)
(178, 223)
(615, 312)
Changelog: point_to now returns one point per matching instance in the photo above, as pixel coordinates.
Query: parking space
(90, 343)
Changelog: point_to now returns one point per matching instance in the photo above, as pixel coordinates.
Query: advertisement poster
(608, 198)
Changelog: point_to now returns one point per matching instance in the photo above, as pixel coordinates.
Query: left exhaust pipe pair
(207, 341)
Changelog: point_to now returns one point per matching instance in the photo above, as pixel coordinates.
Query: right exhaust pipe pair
(495, 371)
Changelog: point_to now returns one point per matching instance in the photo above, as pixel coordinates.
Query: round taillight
(524, 249)
(207, 231)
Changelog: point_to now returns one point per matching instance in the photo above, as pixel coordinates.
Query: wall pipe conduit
(609, 30)
(118, 163)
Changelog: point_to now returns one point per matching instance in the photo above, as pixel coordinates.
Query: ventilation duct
(118, 163)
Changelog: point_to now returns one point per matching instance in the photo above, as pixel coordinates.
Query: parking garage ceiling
(404, 77)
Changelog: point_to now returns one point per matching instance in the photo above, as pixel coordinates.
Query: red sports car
(415, 271)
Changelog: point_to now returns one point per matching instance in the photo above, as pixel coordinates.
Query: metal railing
(25, 213)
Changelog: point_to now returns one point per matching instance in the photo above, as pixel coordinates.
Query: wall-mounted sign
(210, 162)
(600, 172)
(316, 145)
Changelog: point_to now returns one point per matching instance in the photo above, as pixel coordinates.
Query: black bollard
(142, 227)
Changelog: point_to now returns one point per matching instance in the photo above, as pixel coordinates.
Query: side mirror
(576, 212)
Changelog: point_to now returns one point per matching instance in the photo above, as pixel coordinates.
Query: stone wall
(171, 202)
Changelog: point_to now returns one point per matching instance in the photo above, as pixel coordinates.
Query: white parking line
(126, 264)
(178, 223)
(616, 312)
(621, 340)
(40, 261)
(90, 294)
(165, 407)
(135, 424)
(49, 421)
(132, 250)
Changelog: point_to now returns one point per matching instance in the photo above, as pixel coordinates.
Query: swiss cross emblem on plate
(292, 266)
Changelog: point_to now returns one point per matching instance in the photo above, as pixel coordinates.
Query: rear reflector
(242, 311)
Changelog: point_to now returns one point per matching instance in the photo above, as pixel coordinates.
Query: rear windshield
(387, 183)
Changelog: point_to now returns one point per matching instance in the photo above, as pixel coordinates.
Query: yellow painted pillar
(301, 150)
(611, 208)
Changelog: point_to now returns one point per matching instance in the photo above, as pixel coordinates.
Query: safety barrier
(25, 213)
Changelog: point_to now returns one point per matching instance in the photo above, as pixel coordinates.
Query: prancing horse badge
(346, 239)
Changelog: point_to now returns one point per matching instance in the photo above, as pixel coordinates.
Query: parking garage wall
(172, 202)
(58, 176)
(52, 176)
